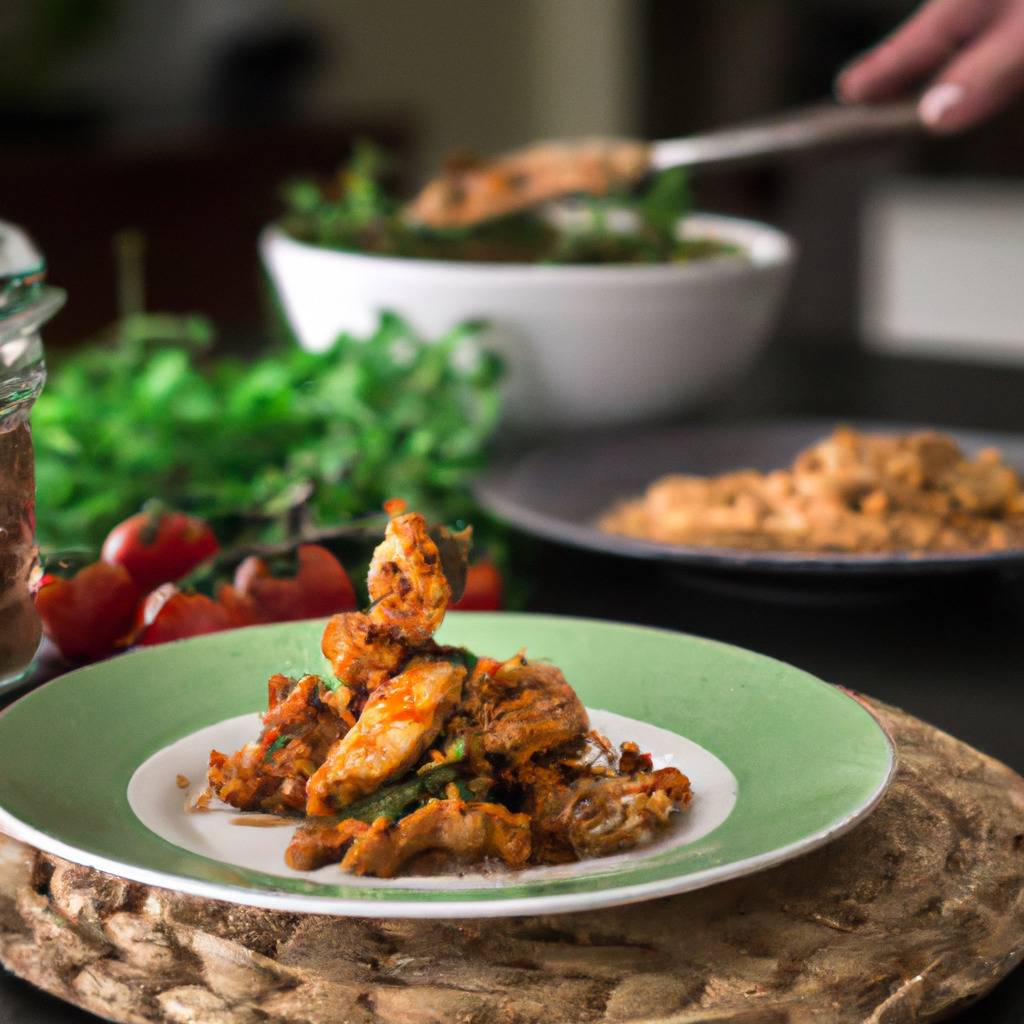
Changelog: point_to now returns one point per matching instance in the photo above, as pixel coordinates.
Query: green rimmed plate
(780, 763)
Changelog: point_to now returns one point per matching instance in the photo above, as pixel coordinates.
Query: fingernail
(938, 101)
(841, 87)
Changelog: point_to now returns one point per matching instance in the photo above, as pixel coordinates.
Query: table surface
(951, 651)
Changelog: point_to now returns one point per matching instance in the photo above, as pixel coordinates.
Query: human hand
(973, 50)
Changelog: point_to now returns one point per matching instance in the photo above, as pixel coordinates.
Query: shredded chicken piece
(463, 833)
(520, 708)
(472, 190)
(270, 774)
(316, 843)
(400, 720)
(852, 492)
(594, 817)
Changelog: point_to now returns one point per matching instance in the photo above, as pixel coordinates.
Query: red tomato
(159, 547)
(171, 614)
(484, 589)
(319, 587)
(87, 614)
(241, 609)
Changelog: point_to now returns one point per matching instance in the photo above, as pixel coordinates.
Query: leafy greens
(245, 444)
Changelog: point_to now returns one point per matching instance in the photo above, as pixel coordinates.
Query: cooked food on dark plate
(852, 492)
(417, 757)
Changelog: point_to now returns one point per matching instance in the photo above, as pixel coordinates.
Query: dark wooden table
(951, 651)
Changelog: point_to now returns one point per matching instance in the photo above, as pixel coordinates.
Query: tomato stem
(367, 528)
(155, 509)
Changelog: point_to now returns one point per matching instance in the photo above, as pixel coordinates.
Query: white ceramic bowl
(583, 346)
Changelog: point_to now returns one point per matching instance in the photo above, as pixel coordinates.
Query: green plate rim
(652, 876)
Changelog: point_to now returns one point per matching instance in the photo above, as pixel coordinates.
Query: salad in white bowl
(605, 310)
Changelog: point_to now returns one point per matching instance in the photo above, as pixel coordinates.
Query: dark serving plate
(558, 491)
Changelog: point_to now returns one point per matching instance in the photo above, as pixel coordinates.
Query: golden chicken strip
(362, 652)
(473, 190)
(409, 592)
(400, 720)
(463, 833)
(408, 588)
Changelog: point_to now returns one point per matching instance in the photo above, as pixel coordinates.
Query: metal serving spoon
(474, 190)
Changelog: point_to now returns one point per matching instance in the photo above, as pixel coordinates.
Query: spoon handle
(805, 128)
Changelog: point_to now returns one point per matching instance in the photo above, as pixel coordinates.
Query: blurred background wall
(181, 119)
(480, 73)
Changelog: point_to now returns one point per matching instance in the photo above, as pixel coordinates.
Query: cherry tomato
(171, 614)
(320, 586)
(157, 546)
(88, 614)
(484, 589)
(241, 610)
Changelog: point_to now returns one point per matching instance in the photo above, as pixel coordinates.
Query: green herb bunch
(255, 446)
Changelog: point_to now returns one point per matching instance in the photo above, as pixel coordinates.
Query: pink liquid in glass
(25, 304)
(19, 624)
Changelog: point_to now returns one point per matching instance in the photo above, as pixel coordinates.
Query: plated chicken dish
(413, 757)
(851, 493)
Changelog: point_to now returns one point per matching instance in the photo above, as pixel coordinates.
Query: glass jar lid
(25, 299)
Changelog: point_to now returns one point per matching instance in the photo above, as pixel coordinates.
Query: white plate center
(159, 803)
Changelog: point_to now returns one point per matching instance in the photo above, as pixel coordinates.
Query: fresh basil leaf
(391, 801)
(278, 744)
(468, 658)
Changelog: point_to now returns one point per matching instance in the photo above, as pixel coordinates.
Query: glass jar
(26, 303)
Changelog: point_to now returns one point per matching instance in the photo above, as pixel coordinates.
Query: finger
(980, 81)
(915, 50)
